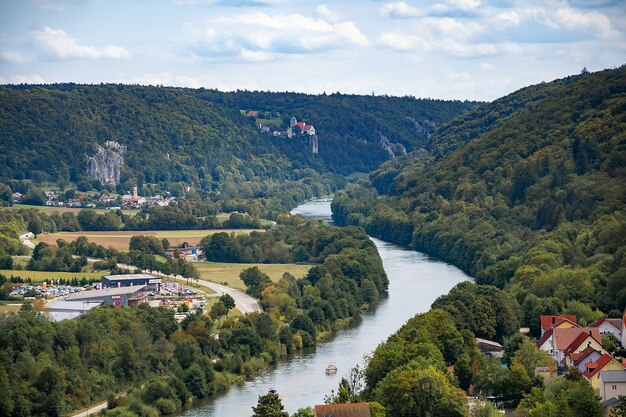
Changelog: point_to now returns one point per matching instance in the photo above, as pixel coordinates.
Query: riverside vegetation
(49, 369)
(525, 193)
(532, 204)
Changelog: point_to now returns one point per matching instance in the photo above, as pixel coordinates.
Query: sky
(445, 49)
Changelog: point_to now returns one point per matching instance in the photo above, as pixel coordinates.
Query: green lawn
(228, 273)
(274, 122)
(20, 260)
(41, 276)
(75, 210)
(7, 307)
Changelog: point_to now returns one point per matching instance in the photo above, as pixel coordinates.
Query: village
(103, 199)
(581, 349)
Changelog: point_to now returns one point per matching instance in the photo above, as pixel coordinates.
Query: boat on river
(331, 368)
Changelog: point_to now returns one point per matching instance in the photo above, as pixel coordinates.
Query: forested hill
(200, 136)
(536, 203)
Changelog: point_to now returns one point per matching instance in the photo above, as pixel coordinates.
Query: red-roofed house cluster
(572, 345)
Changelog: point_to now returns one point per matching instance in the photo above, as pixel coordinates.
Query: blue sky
(450, 49)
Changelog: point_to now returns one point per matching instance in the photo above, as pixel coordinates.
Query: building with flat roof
(131, 280)
(59, 310)
(120, 297)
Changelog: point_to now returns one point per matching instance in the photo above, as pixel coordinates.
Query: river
(415, 281)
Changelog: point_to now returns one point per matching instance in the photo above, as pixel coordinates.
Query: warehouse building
(59, 310)
(119, 297)
(131, 280)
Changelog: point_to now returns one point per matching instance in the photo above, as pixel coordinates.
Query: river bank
(415, 282)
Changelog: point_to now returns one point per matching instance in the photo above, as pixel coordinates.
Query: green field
(7, 307)
(121, 239)
(229, 272)
(75, 210)
(41, 276)
(274, 122)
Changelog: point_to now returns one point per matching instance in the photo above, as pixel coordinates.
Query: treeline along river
(415, 281)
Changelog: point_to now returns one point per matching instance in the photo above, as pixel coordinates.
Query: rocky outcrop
(105, 164)
(426, 127)
(394, 149)
(314, 144)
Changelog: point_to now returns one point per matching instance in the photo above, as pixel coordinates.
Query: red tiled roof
(307, 127)
(595, 367)
(545, 337)
(301, 124)
(564, 337)
(343, 410)
(551, 321)
(580, 356)
(614, 322)
(578, 341)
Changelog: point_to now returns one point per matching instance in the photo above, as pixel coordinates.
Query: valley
(474, 233)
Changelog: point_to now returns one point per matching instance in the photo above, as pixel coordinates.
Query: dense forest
(534, 204)
(175, 136)
(408, 375)
(49, 369)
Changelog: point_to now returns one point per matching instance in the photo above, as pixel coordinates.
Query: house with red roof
(556, 340)
(605, 363)
(564, 321)
(580, 359)
(343, 410)
(608, 327)
(582, 342)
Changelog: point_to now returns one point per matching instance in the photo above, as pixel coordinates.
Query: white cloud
(260, 36)
(324, 12)
(401, 10)
(399, 42)
(27, 79)
(11, 57)
(231, 3)
(57, 44)
(256, 56)
(594, 21)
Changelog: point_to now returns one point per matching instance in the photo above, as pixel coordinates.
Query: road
(91, 411)
(26, 240)
(243, 302)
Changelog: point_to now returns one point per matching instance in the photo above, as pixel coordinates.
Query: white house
(612, 384)
(609, 327)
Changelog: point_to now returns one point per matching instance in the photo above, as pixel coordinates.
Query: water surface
(415, 281)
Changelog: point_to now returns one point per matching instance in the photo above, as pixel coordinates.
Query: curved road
(26, 240)
(243, 302)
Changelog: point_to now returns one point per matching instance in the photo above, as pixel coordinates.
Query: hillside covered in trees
(200, 137)
(533, 204)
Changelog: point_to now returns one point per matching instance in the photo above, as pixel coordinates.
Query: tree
(304, 412)
(35, 226)
(255, 280)
(419, 392)
(228, 301)
(6, 195)
(463, 371)
(269, 405)
(218, 310)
